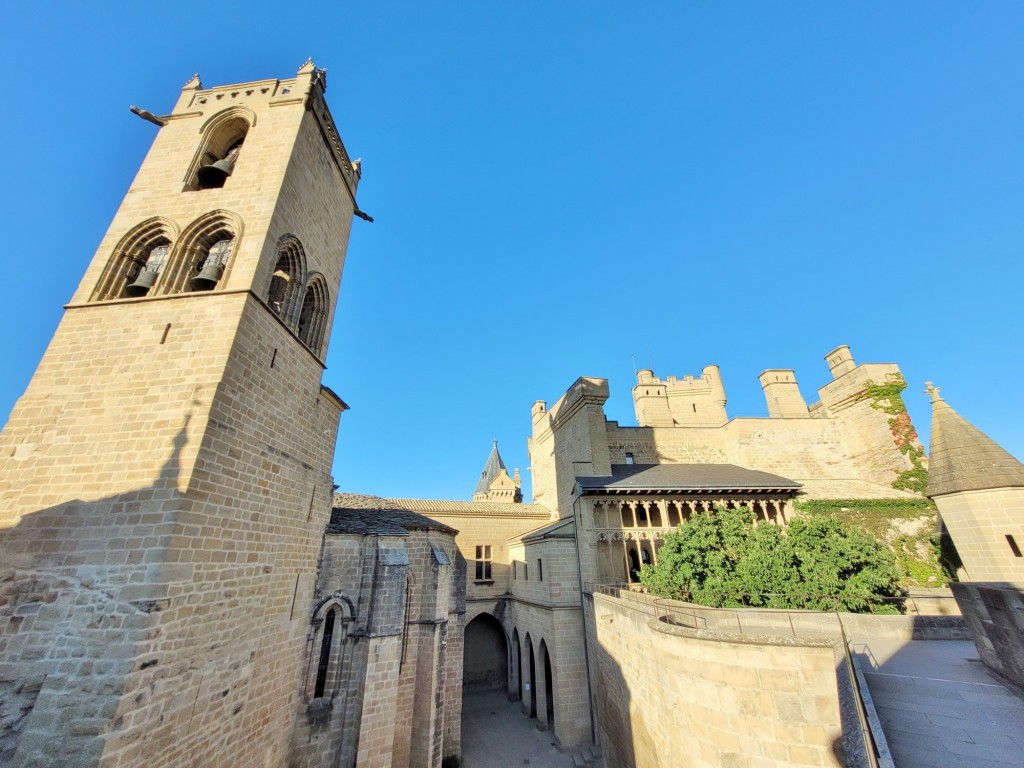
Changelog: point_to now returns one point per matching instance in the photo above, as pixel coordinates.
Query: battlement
(674, 402)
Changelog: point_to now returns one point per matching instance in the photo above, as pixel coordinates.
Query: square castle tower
(165, 478)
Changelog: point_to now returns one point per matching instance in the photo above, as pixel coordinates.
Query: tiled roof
(680, 478)
(472, 508)
(560, 529)
(963, 458)
(491, 469)
(361, 514)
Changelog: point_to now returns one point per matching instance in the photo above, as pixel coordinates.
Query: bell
(143, 282)
(213, 176)
(208, 276)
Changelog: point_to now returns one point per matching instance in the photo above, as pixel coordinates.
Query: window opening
(629, 458)
(142, 274)
(483, 562)
(215, 173)
(540, 569)
(325, 655)
(211, 267)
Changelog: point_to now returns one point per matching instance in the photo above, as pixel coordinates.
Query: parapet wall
(717, 698)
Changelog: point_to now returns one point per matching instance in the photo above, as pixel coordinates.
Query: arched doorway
(485, 655)
(549, 687)
(516, 678)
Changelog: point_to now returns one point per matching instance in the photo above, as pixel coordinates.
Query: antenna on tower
(634, 365)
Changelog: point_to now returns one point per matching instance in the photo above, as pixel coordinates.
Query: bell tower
(165, 478)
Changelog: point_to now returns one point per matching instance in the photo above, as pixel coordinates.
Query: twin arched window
(300, 300)
(154, 259)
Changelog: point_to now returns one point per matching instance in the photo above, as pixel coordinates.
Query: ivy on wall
(925, 559)
(888, 398)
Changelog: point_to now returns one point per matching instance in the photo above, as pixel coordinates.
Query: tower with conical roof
(978, 488)
(495, 484)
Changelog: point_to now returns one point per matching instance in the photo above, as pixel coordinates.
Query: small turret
(782, 394)
(494, 483)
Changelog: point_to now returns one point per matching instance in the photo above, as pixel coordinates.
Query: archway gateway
(485, 659)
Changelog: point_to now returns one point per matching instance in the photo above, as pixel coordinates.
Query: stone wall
(669, 695)
(165, 478)
(982, 525)
(994, 613)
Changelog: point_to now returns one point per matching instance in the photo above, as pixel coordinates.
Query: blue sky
(562, 188)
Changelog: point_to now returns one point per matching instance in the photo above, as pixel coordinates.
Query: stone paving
(496, 734)
(940, 707)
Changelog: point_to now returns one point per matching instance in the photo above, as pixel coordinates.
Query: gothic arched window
(285, 291)
(223, 137)
(137, 262)
(324, 664)
(313, 314)
(203, 254)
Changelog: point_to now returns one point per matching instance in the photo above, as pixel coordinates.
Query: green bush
(724, 560)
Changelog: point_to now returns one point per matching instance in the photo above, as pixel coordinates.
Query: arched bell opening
(285, 292)
(202, 257)
(223, 138)
(313, 314)
(485, 655)
(138, 261)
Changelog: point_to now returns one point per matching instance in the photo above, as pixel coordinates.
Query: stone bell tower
(165, 478)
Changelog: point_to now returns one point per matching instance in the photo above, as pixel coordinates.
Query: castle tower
(979, 490)
(495, 484)
(782, 394)
(165, 478)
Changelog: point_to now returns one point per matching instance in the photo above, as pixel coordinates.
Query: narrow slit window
(1013, 546)
(540, 570)
(325, 655)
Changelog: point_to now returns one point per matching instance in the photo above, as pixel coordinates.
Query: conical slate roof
(963, 458)
(491, 470)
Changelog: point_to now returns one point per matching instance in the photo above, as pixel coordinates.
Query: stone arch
(327, 645)
(133, 254)
(285, 291)
(312, 323)
(530, 696)
(485, 655)
(547, 692)
(222, 138)
(515, 686)
(201, 240)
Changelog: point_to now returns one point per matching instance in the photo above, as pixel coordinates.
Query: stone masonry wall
(165, 480)
(668, 695)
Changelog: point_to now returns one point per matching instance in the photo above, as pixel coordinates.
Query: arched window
(326, 675)
(223, 137)
(313, 314)
(285, 291)
(203, 254)
(325, 654)
(137, 262)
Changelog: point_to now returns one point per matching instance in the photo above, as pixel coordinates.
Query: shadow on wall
(994, 613)
(79, 586)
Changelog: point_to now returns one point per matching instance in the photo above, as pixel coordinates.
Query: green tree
(724, 560)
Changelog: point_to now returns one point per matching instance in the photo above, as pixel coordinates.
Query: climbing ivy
(888, 398)
(924, 558)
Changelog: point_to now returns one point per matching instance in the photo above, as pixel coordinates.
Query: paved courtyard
(495, 734)
(940, 708)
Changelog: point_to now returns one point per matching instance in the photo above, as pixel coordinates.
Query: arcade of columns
(641, 524)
